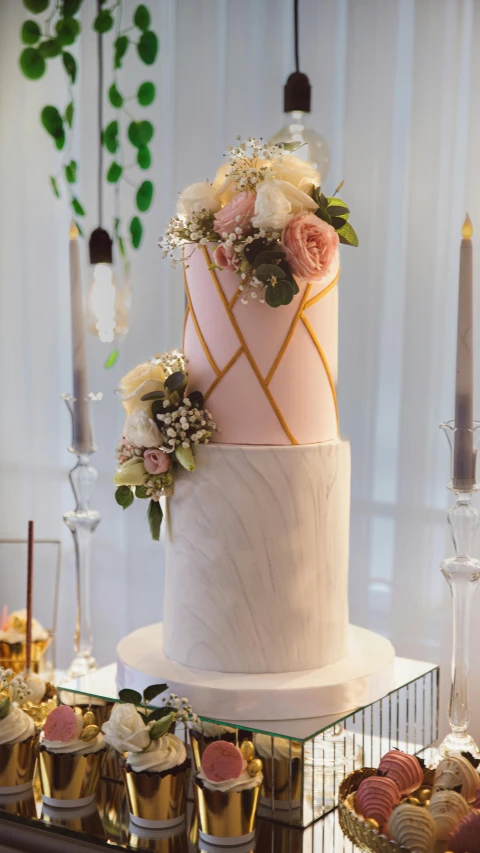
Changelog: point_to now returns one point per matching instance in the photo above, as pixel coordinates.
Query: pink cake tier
(268, 374)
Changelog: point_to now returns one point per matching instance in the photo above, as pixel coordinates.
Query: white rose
(197, 197)
(273, 210)
(125, 730)
(298, 199)
(141, 430)
(297, 172)
(141, 380)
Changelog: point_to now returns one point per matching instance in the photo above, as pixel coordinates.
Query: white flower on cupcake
(141, 430)
(125, 730)
(198, 197)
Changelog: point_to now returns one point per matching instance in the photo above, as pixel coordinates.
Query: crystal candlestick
(82, 521)
(462, 573)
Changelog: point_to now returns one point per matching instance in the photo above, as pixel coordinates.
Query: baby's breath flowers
(181, 708)
(14, 687)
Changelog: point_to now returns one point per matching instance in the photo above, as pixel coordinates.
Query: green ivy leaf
(144, 158)
(124, 496)
(53, 123)
(141, 18)
(70, 65)
(50, 48)
(115, 98)
(141, 492)
(67, 30)
(278, 294)
(77, 207)
(54, 185)
(347, 235)
(120, 49)
(144, 196)
(114, 173)
(32, 63)
(140, 133)
(147, 47)
(71, 172)
(150, 693)
(130, 696)
(146, 94)
(103, 22)
(111, 359)
(155, 516)
(110, 137)
(70, 8)
(36, 7)
(136, 231)
(69, 114)
(31, 32)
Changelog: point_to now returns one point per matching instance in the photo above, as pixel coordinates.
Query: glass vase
(82, 522)
(462, 572)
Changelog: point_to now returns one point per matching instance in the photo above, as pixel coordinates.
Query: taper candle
(82, 430)
(28, 630)
(464, 455)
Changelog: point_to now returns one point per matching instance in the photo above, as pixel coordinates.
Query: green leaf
(111, 360)
(144, 196)
(130, 696)
(50, 48)
(337, 206)
(323, 213)
(265, 272)
(70, 7)
(160, 713)
(196, 399)
(115, 98)
(161, 727)
(31, 32)
(54, 186)
(121, 246)
(67, 30)
(136, 231)
(153, 395)
(347, 235)
(278, 294)
(290, 146)
(146, 94)
(144, 158)
(124, 496)
(103, 22)
(141, 492)
(60, 141)
(155, 516)
(32, 63)
(69, 114)
(70, 65)
(184, 455)
(77, 207)
(147, 47)
(4, 707)
(177, 381)
(339, 221)
(110, 137)
(150, 693)
(268, 257)
(36, 7)
(80, 229)
(71, 172)
(52, 121)
(120, 49)
(140, 133)
(141, 18)
(114, 173)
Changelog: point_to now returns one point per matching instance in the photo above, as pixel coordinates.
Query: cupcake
(227, 789)
(465, 838)
(155, 769)
(71, 754)
(100, 708)
(13, 631)
(457, 773)
(203, 733)
(412, 827)
(18, 736)
(42, 699)
(282, 771)
(403, 769)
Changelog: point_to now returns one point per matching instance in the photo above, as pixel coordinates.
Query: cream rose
(141, 430)
(297, 172)
(277, 203)
(125, 730)
(197, 197)
(141, 380)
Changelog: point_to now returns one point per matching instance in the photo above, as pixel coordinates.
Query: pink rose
(311, 246)
(227, 258)
(242, 205)
(156, 461)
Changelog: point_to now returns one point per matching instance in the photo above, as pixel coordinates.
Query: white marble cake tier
(362, 677)
(257, 559)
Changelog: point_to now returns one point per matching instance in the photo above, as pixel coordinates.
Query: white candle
(82, 430)
(464, 456)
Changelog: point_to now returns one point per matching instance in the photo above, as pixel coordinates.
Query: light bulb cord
(295, 30)
(100, 121)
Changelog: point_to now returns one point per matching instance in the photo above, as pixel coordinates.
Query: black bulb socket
(100, 247)
(297, 93)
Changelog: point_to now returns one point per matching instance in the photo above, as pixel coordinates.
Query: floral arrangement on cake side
(271, 221)
(164, 423)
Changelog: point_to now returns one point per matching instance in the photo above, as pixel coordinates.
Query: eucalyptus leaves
(127, 136)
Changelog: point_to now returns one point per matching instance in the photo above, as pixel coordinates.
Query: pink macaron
(221, 761)
(61, 724)
(403, 769)
(377, 797)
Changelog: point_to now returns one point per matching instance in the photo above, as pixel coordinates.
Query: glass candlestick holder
(462, 573)
(82, 522)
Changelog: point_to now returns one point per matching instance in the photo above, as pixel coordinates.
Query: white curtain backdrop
(396, 91)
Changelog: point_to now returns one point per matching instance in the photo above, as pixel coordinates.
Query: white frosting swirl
(76, 745)
(14, 635)
(282, 748)
(212, 729)
(164, 753)
(16, 727)
(244, 782)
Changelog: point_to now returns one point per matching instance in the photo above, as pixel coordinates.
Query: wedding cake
(240, 433)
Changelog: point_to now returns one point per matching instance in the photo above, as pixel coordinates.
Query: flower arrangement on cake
(164, 423)
(402, 806)
(155, 768)
(271, 221)
(18, 734)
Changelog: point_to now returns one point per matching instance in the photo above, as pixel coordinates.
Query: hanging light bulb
(297, 96)
(107, 308)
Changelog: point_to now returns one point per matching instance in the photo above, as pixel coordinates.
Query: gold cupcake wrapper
(157, 800)
(226, 817)
(282, 782)
(14, 655)
(68, 780)
(17, 765)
